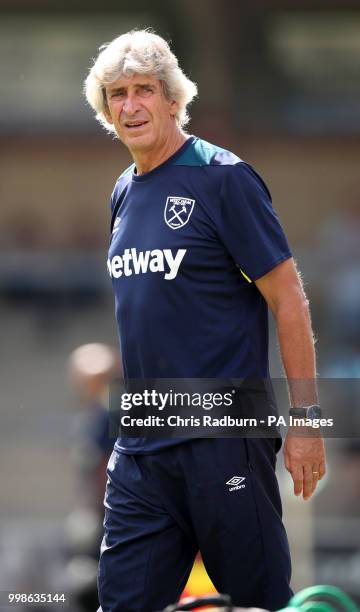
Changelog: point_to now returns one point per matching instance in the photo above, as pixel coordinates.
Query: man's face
(142, 117)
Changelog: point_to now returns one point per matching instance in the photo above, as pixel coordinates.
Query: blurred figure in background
(91, 368)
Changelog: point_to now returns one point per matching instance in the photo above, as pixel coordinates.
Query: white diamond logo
(235, 480)
(116, 224)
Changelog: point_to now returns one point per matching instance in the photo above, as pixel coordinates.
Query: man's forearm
(304, 455)
(297, 348)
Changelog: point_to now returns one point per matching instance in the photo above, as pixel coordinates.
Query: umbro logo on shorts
(235, 483)
(177, 211)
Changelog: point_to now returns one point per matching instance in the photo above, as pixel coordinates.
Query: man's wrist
(305, 421)
(311, 412)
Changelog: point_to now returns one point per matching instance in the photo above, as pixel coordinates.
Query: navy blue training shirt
(188, 240)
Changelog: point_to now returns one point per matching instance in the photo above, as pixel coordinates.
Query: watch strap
(305, 411)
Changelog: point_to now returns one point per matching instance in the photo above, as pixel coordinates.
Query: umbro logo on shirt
(177, 211)
(141, 262)
(116, 224)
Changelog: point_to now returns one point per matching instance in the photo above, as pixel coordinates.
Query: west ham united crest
(178, 211)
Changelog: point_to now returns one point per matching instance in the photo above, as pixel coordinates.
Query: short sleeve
(113, 209)
(119, 193)
(249, 226)
(112, 202)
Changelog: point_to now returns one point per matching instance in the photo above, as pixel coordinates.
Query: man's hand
(304, 459)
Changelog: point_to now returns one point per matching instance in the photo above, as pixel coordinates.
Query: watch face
(314, 412)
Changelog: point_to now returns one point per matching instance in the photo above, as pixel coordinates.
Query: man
(196, 255)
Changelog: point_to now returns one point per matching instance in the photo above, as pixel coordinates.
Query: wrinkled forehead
(135, 80)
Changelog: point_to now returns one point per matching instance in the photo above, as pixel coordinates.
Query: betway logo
(134, 262)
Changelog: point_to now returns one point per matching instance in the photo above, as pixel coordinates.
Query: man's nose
(130, 105)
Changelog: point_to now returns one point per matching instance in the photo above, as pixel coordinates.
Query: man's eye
(117, 94)
(146, 90)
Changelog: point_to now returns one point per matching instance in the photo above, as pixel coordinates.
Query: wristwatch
(307, 412)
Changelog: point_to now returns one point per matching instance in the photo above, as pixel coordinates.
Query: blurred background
(279, 84)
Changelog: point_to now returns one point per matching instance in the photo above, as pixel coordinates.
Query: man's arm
(284, 294)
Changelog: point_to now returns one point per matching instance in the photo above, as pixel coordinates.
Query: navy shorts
(219, 496)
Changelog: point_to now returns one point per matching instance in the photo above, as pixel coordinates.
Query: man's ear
(106, 109)
(173, 107)
(108, 116)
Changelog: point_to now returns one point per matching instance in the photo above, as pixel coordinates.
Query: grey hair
(138, 52)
